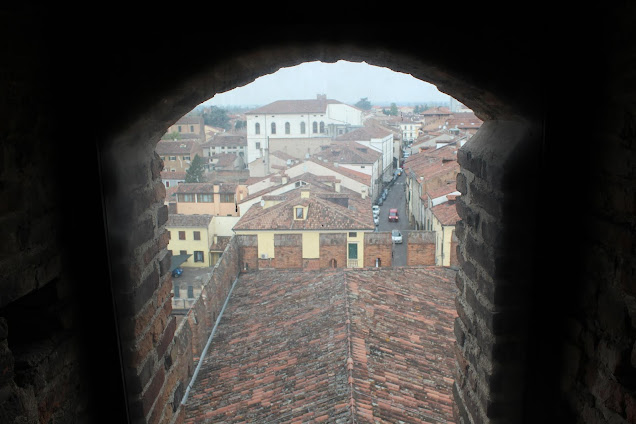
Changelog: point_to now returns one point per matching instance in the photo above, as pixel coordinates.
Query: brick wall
(248, 252)
(420, 248)
(333, 247)
(288, 251)
(377, 245)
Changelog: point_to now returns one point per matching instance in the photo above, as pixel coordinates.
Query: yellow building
(304, 229)
(191, 235)
(444, 218)
(219, 199)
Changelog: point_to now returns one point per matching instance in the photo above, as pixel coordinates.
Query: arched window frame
(257, 128)
(287, 128)
(322, 127)
(315, 127)
(302, 128)
(273, 127)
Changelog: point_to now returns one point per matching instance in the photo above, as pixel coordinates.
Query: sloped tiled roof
(349, 152)
(179, 147)
(322, 214)
(360, 177)
(364, 134)
(446, 213)
(194, 220)
(205, 188)
(332, 346)
(295, 106)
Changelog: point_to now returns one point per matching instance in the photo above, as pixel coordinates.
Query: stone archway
(134, 204)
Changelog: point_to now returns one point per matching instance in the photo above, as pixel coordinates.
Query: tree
(394, 109)
(363, 104)
(240, 124)
(194, 174)
(216, 117)
(174, 135)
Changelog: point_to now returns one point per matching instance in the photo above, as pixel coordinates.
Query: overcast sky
(344, 81)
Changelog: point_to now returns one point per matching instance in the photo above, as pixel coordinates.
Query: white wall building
(297, 119)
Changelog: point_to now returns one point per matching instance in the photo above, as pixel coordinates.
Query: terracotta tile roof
(316, 182)
(349, 152)
(364, 134)
(322, 214)
(332, 346)
(360, 177)
(430, 167)
(194, 220)
(449, 186)
(446, 213)
(223, 160)
(437, 111)
(295, 106)
(221, 243)
(205, 188)
(179, 147)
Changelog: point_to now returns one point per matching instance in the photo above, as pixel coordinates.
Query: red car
(393, 215)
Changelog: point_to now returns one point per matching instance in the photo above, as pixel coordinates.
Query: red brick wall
(420, 248)
(288, 257)
(311, 264)
(333, 246)
(377, 245)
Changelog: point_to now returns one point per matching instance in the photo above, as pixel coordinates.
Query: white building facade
(297, 119)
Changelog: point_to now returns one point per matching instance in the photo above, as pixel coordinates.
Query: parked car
(399, 171)
(396, 236)
(376, 210)
(380, 201)
(376, 219)
(393, 215)
(176, 273)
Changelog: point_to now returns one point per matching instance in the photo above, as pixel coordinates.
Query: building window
(205, 198)
(179, 128)
(257, 128)
(190, 292)
(167, 184)
(186, 157)
(273, 127)
(258, 145)
(172, 158)
(182, 236)
(353, 234)
(322, 127)
(175, 288)
(186, 198)
(197, 235)
(287, 128)
(299, 213)
(169, 237)
(198, 256)
(191, 128)
(315, 127)
(302, 128)
(227, 198)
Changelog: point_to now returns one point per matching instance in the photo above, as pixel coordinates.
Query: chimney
(337, 184)
(363, 192)
(215, 239)
(284, 179)
(304, 193)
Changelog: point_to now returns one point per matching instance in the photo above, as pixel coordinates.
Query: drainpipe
(205, 350)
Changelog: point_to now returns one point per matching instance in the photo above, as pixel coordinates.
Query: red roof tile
(334, 346)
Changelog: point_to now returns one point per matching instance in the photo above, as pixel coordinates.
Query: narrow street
(396, 199)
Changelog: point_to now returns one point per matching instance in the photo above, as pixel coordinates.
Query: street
(396, 199)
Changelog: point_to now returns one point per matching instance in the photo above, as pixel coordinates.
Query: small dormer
(300, 212)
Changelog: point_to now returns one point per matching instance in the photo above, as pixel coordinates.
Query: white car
(376, 211)
(396, 236)
(376, 219)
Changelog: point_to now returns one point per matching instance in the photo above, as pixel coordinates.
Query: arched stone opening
(134, 196)
(587, 316)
